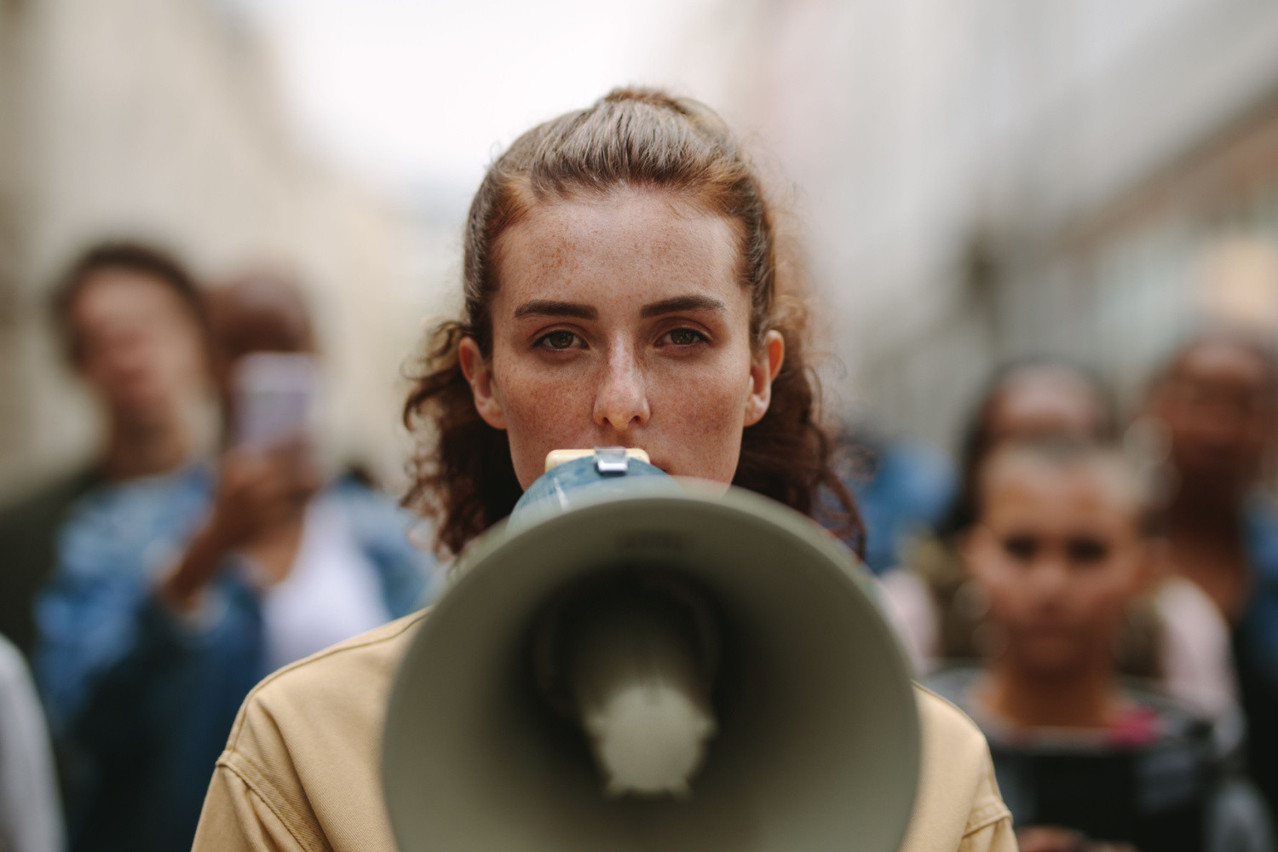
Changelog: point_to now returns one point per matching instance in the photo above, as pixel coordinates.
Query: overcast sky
(417, 93)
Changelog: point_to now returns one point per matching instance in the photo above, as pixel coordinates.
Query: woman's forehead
(1045, 397)
(1222, 361)
(126, 295)
(647, 243)
(1027, 487)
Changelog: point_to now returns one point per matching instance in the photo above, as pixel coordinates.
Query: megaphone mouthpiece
(642, 699)
(630, 660)
(649, 740)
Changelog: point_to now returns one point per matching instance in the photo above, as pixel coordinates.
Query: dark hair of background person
(127, 256)
(258, 310)
(463, 474)
(977, 441)
(1247, 341)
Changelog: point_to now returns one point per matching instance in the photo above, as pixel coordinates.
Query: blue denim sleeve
(141, 701)
(102, 632)
(407, 571)
(108, 646)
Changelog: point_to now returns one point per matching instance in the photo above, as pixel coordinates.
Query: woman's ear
(764, 367)
(479, 373)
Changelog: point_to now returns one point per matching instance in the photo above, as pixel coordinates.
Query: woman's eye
(684, 337)
(1022, 548)
(1085, 550)
(557, 340)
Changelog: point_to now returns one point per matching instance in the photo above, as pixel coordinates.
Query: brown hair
(463, 473)
(1233, 336)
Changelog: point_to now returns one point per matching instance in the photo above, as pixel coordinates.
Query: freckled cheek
(711, 392)
(701, 422)
(543, 412)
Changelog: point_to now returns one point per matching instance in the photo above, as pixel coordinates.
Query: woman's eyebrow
(546, 308)
(682, 303)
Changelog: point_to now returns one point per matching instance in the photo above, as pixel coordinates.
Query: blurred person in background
(343, 564)
(1216, 401)
(30, 813)
(1031, 398)
(1171, 635)
(172, 593)
(133, 330)
(1060, 548)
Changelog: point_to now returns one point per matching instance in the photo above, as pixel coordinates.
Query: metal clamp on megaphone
(637, 662)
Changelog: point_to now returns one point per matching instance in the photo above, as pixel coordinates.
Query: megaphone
(634, 662)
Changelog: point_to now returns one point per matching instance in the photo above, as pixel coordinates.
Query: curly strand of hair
(464, 477)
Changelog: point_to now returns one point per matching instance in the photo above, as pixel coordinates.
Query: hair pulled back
(463, 475)
(979, 440)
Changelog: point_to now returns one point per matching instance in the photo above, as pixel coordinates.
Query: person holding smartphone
(173, 594)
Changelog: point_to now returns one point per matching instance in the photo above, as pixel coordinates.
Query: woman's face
(620, 321)
(140, 348)
(1219, 410)
(1059, 554)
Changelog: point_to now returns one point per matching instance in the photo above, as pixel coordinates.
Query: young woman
(930, 595)
(1216, 400)
(620, 289)
(1169, 635)
(1060, 548)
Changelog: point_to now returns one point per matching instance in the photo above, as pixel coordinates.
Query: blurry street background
(972, 179)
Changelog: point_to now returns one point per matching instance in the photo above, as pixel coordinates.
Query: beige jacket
(301, 770)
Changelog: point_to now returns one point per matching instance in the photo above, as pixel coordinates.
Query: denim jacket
(140, 700)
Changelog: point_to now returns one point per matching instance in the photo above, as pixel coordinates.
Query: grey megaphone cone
(816, 743)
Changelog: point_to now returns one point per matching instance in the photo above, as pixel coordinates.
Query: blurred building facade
(984, 179)
(160, 119)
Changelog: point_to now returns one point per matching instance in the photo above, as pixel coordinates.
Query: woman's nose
(1051, 576)
(621, 401)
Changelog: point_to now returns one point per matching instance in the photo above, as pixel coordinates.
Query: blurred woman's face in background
(139, 347)
(1218, 406)
(1059, 554)
(620, 320)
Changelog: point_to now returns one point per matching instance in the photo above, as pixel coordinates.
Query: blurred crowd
(1100, 594)
(1097, 589)
(207, 544)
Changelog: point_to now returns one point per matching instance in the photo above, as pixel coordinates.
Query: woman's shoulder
(295, 713)
(958, 805)
(334, 684)
(943, 721)
(304, 758)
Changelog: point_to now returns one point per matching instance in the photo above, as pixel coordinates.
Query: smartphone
(273, 399)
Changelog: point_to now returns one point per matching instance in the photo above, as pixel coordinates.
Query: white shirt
(332, 592)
